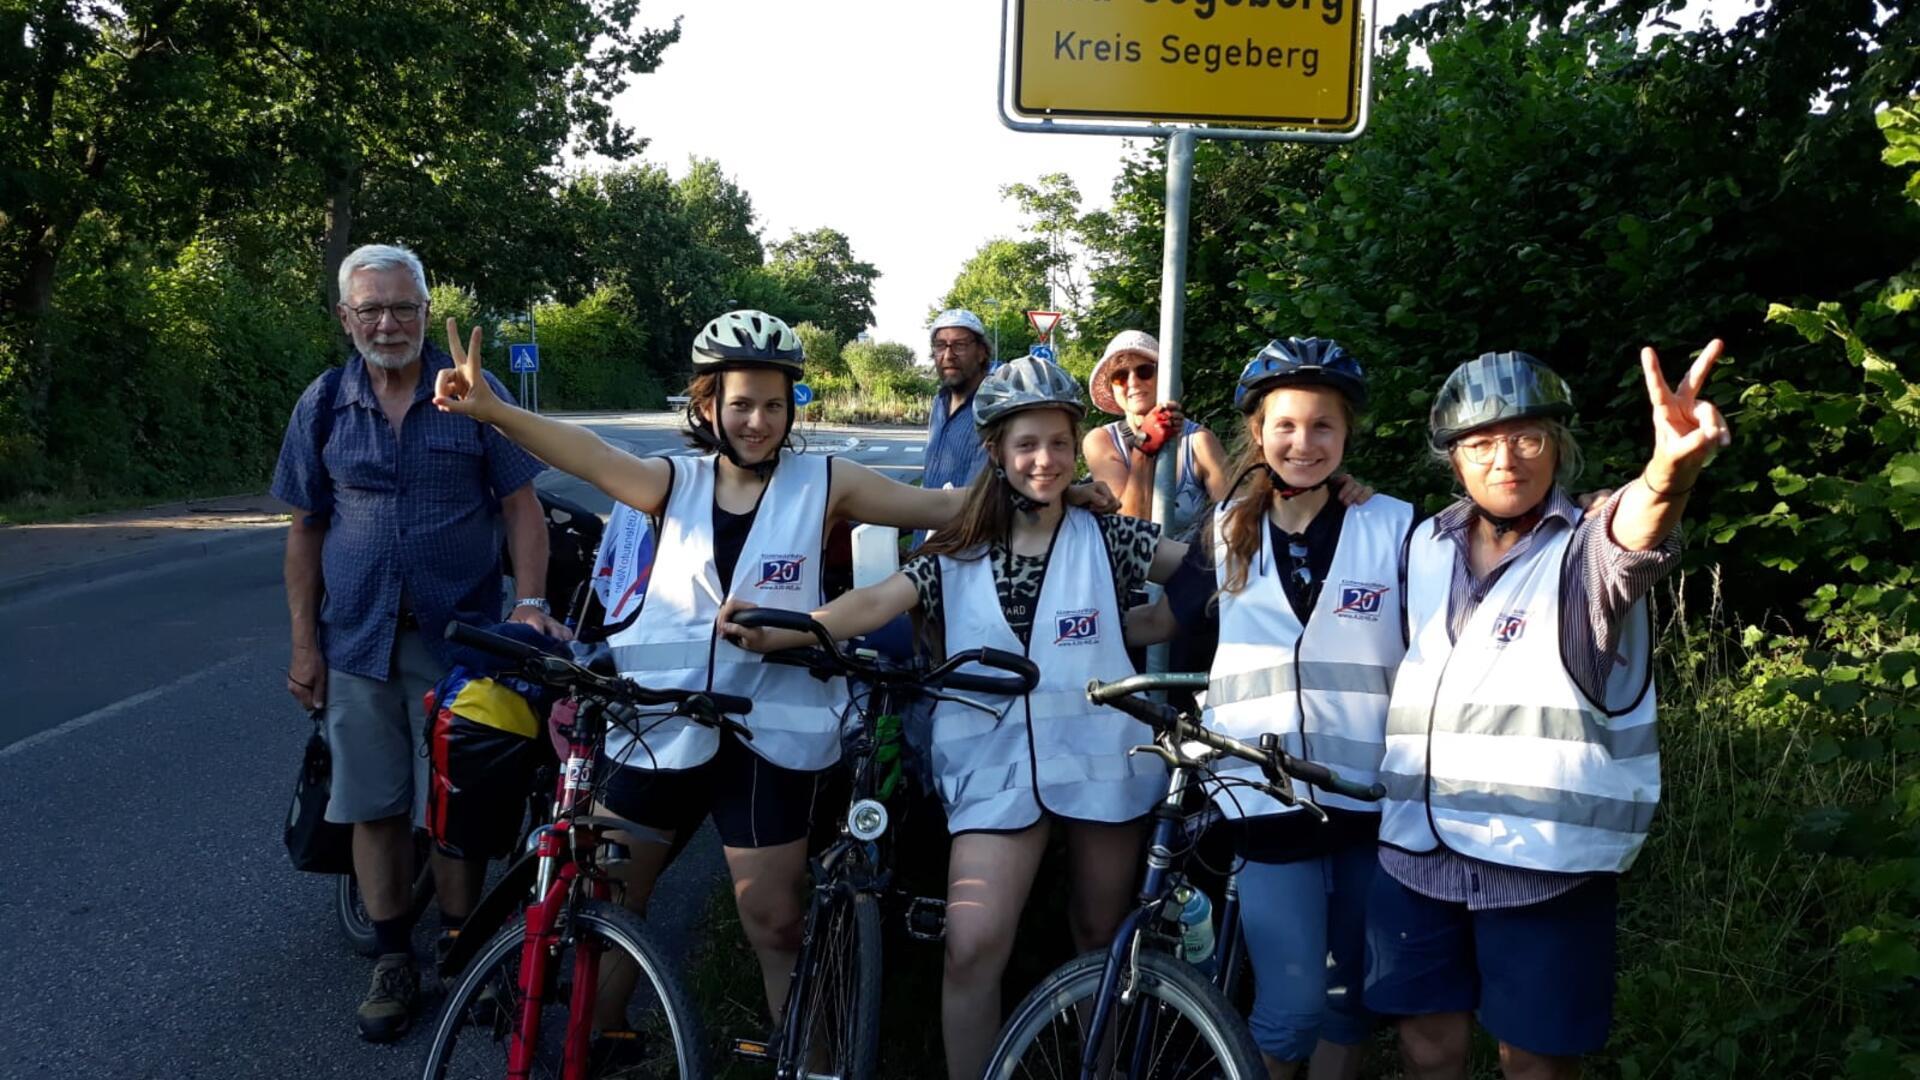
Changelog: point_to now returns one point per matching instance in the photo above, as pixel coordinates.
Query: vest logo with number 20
(780, 572)
(1509, 626)
(1076, 627)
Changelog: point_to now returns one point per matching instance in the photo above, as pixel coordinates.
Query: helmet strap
(1522, 522)
(1288, 491)
(1020, 502)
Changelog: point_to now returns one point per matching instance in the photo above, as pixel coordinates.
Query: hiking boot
(388, 1006)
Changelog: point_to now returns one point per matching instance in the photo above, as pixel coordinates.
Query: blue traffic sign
(1042, 352)
(524, 357)
(802, 395)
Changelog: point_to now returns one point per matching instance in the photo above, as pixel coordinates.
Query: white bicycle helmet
(1026, 383)
(960, 317)
(748, 339)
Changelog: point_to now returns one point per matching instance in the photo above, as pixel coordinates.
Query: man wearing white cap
(960, 360)
(1121, 454)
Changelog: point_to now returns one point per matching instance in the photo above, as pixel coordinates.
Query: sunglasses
(1143, 372)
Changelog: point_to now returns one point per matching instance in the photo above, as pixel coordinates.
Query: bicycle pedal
(927, 918)
(752, 1049)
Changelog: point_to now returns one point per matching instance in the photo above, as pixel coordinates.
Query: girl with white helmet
(1023, 572)
(1121, 454)
(1308, 603)
(746, 519)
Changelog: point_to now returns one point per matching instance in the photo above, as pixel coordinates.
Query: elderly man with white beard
(398, 510)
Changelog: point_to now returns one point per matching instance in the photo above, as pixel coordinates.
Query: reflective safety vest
(1493, 750)
(1322, 688)
(796, 717)
(1050, 750)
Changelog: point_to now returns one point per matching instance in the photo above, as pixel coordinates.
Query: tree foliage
(1001, 282)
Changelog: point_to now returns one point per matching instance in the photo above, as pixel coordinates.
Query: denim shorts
(1304, 923)
(1540, 976)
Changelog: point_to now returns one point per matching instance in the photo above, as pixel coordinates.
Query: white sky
(875, 117)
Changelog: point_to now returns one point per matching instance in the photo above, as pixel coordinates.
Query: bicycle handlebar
(563, 674)
(831, 659)
(1165, 719)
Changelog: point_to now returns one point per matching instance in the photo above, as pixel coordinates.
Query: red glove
(1155, 430)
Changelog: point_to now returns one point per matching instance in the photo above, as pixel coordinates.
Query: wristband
(1669, 493)
(537, 603)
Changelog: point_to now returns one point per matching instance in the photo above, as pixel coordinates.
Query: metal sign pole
(533, 335)
(1173, 314)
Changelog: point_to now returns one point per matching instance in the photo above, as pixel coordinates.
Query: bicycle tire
(472, 1036)
(840, 1001)
(1200, 1034)
(350, 910)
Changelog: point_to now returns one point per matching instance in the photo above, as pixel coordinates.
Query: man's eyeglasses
(369, 314)
(949, 347)
(1143, 372)
(1526, 446)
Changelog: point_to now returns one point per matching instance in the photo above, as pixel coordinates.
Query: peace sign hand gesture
(463, 388)
(1687, 429)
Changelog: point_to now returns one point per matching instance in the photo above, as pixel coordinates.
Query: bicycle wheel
(472, 1039)
(840, 1003)
(350, 909)
(1190, 1031)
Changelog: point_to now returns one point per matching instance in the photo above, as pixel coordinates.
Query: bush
(175, 377)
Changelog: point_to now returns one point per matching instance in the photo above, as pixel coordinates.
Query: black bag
(314, 844)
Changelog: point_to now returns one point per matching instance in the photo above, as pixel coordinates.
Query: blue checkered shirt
(954, 453)
(416, 517)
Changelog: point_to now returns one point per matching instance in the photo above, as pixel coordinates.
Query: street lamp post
(993, 307)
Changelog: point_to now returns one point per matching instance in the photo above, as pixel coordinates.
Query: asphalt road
(147, 754)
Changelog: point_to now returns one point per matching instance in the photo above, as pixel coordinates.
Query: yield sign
(1044, 322)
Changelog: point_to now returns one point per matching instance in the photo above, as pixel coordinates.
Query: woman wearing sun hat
(1121, 454)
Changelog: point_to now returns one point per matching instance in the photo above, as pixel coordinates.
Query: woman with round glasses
(1308, 613)
(1121, 454)
(1522, 763)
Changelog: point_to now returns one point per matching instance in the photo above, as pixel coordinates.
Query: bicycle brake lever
(1173, 761)
(942, 695)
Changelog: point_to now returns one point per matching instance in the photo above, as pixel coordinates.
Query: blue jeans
(1305, 929)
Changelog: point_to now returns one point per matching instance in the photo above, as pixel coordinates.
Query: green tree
(1052, 207)
(1001, 282)
(720, 214)
(824, 282)
(822, 349)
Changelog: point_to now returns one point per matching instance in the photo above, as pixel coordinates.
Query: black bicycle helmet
(1300, 362)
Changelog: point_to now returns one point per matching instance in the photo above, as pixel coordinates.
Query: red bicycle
(545, 994)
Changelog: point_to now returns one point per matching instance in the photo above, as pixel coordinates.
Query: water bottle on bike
(1195, 916)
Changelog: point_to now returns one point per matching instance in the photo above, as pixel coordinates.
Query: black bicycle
(832, 1024)
(1138, 1010)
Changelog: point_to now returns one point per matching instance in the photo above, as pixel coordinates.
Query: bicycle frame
(848, 863)
(558, 849)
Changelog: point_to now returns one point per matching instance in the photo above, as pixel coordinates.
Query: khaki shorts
(377, 731)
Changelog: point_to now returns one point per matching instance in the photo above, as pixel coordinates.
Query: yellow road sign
(1291, 63)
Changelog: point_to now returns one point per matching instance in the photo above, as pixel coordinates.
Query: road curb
(40, 584)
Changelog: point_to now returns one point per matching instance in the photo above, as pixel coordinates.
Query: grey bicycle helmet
(1026, 383)
(748, 339)
(1495, 387)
